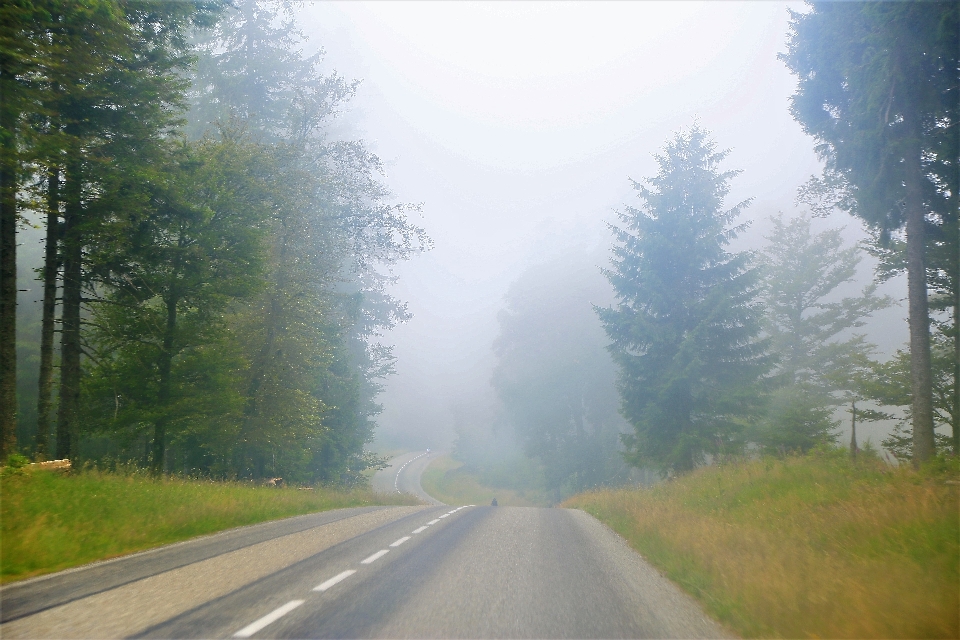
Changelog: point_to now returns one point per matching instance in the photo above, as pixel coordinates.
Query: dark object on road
(494, 503)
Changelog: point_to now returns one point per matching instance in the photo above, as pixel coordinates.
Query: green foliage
(684, 331)
(222, 296)
(877, 89)
(888, 384)
(818, 359)
(158, 335)
(554, 377)
(865, 87)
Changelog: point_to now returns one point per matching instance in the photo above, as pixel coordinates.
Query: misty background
(518, 127)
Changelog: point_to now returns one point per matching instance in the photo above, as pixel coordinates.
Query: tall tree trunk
(956, 364)
(853, 430)
(70, 326)
(920, 367)
(8, 266)
(50, 268)
(165, 365)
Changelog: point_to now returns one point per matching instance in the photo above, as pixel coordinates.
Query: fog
(517, 126)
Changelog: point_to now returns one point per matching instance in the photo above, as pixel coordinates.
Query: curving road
(403, 475)
(386, 572)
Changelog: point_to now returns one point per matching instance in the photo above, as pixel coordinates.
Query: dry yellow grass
(804, 547)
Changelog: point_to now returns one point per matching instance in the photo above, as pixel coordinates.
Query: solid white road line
(323, 586)
(444, 515)
(434, 521)
(420, 529)
(400, 541)
(376, 556)
(273, 616)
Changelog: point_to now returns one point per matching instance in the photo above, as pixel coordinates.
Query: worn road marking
(376, 556)
(271, 617)
(420, 530)
(400, 541)
(434, 521)
(323, 586)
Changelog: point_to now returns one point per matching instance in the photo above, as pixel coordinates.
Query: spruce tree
(684, 329)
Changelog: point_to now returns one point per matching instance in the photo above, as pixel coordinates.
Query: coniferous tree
(817, 358)
(113, 90)
(19, 50)
(877, 90)
(684, 330)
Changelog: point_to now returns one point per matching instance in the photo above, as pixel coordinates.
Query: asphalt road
(403, 475)
(395, 572)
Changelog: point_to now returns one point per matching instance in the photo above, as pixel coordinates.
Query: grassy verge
(449, 481)
(803, 547)
(51, 521)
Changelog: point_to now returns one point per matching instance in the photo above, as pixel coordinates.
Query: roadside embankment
(452, 483)
(51, 520)
(816, 546)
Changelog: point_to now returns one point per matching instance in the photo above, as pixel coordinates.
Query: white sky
(517, 125)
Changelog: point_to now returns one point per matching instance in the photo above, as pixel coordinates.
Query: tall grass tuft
(51, 521)
(804, 547)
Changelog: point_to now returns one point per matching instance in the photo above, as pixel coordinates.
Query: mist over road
(403, 475)
(426, 572)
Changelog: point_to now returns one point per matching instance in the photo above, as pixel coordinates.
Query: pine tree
(684, 330)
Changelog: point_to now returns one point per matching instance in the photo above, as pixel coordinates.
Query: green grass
(449, 481)
(803, 547)
(51, 521)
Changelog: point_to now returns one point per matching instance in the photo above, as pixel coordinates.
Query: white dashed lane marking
(396, 479)
(278, 613)
(323, 586)
(376, 556)
(271, 617)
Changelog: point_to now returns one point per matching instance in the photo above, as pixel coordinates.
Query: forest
(216, 256)
(218, 250)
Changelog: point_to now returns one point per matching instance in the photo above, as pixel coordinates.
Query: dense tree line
(217, 257)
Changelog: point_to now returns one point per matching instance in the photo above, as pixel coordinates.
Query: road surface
(375, 572)
(403, 475)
